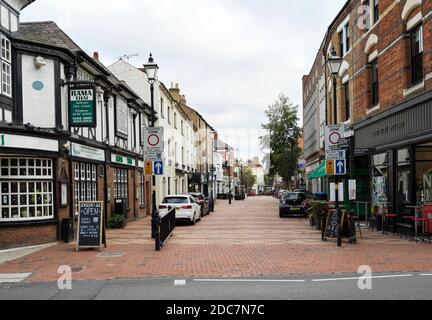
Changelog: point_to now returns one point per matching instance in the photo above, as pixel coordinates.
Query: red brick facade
(394, 57)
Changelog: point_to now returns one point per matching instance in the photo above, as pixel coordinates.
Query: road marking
(13, 277)
(245, 280)
(179, 282)
(358, 278)
(426, 275)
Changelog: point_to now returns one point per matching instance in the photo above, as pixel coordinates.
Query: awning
(319, 172)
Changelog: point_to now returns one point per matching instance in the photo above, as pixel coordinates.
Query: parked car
(187, 209)
(281, 194)
(252, 194)
(293, 204)
(203, 202)
(308, 194)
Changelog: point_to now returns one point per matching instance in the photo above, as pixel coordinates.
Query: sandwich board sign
(91, 230)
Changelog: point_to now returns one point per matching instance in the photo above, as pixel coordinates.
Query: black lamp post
(334, 64)
(151, 70)
(291, 133)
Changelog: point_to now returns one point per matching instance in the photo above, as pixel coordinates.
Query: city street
(244, 240)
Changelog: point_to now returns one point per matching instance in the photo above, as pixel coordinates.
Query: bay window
(26, 189)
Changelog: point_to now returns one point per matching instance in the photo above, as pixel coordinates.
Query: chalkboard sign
(332, 225)
(90, 225)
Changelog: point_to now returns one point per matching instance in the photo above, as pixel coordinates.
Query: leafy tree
(248, 179)
(269, 180)
(284, 151)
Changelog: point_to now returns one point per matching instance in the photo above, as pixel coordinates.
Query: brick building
(384, 97)
(48, 161)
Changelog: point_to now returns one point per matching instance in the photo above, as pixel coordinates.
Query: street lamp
(290, 134)
(151, 70)
(334, 63)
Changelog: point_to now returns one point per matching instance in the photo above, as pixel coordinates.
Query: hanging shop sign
(82, 106)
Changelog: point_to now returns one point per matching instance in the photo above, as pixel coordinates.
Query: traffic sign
(333, 134)
(153, 143)
(158, 168)
(340, 167)
(148, 168)
(330, 167)
(335, 155)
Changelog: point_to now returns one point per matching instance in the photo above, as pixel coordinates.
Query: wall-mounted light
(40, 62)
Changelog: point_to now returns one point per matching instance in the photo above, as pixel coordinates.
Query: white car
(187, 209)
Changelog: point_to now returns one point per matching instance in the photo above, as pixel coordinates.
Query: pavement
(246, 239)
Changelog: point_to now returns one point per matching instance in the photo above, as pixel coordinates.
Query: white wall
(38, 105)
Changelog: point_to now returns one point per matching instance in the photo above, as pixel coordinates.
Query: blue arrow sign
(158, 168)
(340, 167)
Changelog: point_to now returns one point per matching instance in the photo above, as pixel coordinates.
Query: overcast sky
(230, 58)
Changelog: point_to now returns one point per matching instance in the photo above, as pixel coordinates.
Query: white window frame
(25, 177)
(6, 67)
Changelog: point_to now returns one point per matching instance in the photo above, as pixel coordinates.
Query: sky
(231, 59)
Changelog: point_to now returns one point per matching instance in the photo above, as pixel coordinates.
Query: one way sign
(340, 167)
(158, 168)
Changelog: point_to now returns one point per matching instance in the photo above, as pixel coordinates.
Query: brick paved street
(245, 239)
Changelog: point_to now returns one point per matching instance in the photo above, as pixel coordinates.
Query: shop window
(417, 55)
(121, 187)
(403, 179)
(26, 189)
(380, 179)
(85, 184)
(424, 175)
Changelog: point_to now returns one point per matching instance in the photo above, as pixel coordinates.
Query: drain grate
(110, 255)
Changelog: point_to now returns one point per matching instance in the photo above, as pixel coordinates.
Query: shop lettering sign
(389, 129)
(82, 106)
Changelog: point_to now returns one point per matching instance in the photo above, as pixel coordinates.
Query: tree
(248, 179)
(284, 151)
(269, 180)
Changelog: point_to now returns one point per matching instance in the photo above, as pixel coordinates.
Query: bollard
(157, 235)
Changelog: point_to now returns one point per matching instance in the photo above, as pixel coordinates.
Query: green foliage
(268, 180)
(116, 222)
(284, 151)
(248, 179)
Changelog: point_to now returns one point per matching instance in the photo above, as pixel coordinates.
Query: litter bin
(120, 208)
(67, 233)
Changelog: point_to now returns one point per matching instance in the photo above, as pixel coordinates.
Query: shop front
(88, 175)
(128, 184)
(28, 204)
(398, 147)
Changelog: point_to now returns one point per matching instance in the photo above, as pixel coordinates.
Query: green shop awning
(319, 172)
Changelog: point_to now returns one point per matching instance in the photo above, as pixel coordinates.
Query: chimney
(96, 55)
(183, 99)
(175, 92)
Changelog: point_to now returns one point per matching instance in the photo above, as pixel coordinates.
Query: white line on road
(179, 282)
(13, 277)
(358, 278)
(245, 280)
(426, 275)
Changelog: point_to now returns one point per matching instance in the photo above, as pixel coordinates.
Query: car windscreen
(176, 200)
(294, 196)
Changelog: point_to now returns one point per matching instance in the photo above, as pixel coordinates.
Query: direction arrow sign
(158, 168)
(340, 167)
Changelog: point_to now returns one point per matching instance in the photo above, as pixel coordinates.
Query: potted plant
(117, 222)
(317, 211)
